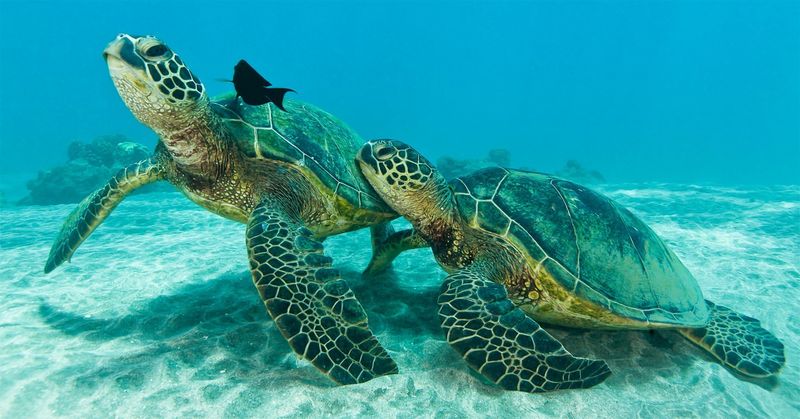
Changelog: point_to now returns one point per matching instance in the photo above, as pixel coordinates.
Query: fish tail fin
(276, 95)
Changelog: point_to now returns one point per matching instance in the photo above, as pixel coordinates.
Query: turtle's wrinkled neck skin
(415, 189)
(163, 94)
(432, 212)
(196, 146)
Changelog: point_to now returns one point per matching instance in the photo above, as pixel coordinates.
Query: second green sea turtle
(522, 248)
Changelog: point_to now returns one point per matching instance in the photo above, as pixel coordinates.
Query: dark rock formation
(575, 172)
(451, 168)
(88, 167)
(572, 170)
(500, 157)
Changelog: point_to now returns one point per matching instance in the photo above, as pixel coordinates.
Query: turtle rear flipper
(91, 212)
(314, 309)
(739, 342)
(387, 244)
(499, 341)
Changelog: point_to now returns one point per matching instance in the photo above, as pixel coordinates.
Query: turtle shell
(303, 135)
(590, 244)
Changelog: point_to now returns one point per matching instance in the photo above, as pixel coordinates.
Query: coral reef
(88, 166)
(575, 172)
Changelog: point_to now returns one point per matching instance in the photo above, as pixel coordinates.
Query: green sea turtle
(290, 176)
(522, 248)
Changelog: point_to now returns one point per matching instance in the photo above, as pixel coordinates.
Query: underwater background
(686, 112)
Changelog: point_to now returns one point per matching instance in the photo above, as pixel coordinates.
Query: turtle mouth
(118, 59)
(113, 50)
(122, 52)
(114, 62)
(369, 171)
(366, 159)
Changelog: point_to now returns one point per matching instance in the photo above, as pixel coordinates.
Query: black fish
(254, 89)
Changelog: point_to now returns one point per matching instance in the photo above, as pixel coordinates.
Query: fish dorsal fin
(244, 73)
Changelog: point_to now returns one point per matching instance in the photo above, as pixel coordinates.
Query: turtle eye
(384, 152)
(156, 51)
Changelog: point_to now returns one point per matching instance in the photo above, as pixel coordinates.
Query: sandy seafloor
(156, 316)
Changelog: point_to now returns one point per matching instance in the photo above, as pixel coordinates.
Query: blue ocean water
(672, 91)
(691, 111)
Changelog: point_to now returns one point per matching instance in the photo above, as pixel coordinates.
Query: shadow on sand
(219, 328)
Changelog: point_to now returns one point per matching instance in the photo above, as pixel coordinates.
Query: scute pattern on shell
(591, 245)
(303, 135)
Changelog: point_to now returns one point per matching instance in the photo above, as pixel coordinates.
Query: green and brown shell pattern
(306, 136)
(592, 246)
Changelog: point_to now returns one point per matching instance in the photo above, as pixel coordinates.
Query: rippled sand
(156, 316)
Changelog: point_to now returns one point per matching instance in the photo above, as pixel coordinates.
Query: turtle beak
(122, 51)
(365, 157)
(114, 48)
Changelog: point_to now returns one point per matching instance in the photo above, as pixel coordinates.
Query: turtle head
(405, 179)
(154, 82)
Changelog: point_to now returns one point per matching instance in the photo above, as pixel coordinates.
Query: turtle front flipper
(503, 344)
(387, 244)
(739, 342)
(91, 212)
(315, 309)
